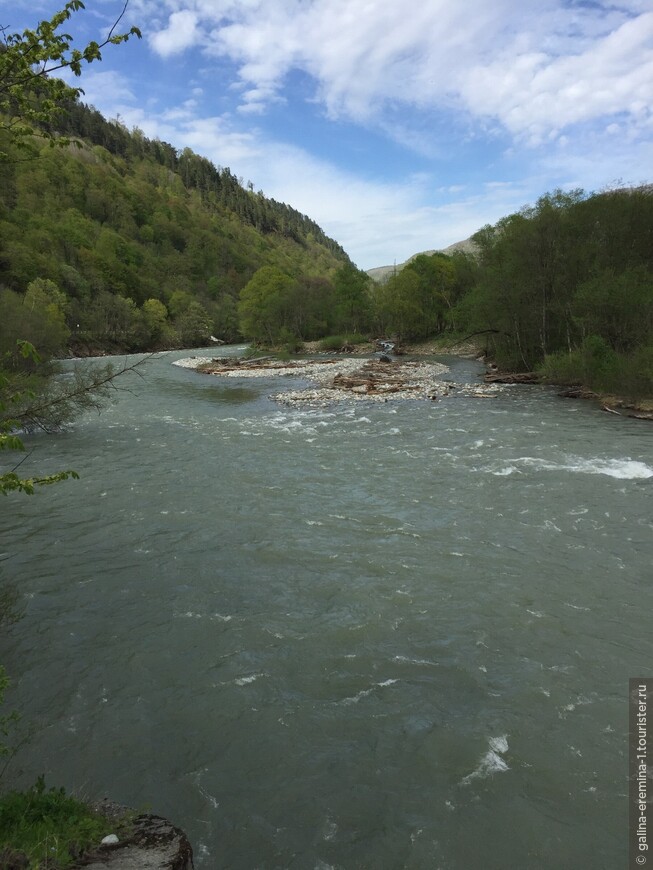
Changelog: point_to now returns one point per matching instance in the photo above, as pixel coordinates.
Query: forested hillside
(565, 287)
(119, 242)
(122, 243)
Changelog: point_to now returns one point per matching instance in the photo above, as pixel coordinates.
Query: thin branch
(482, 332)
(26, 456)
(29, 413)
(116, 22)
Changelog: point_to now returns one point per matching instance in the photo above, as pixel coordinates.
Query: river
(376, 636)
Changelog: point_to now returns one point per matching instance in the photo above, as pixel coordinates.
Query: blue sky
(397, 127)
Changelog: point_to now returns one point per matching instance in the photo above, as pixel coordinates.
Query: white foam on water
(576, 606)
(203, 850)
(622, 469)
(549, 524)
(211, 616)
(506, 472)
(354, 699)
(407, 660)
(245, 681)
(329, 830)
(491, 762)
(581, 701)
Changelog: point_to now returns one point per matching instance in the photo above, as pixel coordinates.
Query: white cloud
(536, 71)
(375, 221)
(564, 87)
(535, 95)
(181, 33)
(103, 88)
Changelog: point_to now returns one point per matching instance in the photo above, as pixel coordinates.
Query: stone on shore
(151, 843)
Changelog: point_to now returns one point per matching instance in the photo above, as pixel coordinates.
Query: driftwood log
(512, 378)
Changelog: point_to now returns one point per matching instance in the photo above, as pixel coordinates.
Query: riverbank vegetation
(564, 287)
(567, 288)
(43, 827)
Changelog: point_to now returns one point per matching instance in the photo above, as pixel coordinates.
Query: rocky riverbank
(346, 378)
(146, 842)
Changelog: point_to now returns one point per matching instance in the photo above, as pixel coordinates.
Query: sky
(397, 127)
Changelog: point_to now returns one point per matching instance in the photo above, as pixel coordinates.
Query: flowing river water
(376, 636)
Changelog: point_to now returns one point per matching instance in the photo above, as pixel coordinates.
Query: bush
(602, 367)
(335, 342)
(562, 368)
(638, 375)
(594, 364)
(47, 826)
(289, 342)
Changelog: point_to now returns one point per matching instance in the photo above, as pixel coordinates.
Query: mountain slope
(120, 220)
(382, 273)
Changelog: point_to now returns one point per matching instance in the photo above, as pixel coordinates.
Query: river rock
(154, 844)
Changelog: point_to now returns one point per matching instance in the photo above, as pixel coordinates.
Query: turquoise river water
(376, 636)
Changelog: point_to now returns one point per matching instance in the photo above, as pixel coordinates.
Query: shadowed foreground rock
(153, 844)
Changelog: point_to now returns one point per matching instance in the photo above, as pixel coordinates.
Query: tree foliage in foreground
(30, 98)
(12, 408)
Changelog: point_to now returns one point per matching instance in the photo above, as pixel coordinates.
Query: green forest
(114, 243)
(564, 287)
(119, 243)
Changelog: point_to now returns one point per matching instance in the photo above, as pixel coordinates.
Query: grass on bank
(336, 342)
(48, 828)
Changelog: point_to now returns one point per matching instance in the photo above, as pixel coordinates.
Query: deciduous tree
(30, 97)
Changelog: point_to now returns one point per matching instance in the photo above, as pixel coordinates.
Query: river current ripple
(365, 636)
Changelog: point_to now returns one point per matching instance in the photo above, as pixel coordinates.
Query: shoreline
(337, 379)
(466, 349)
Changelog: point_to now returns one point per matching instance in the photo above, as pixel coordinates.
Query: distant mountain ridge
(381, 273)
